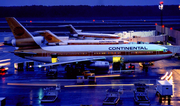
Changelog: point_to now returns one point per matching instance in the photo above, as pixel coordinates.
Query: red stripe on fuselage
(100, 53)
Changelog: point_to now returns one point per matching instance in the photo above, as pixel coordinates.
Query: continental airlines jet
(31, 49)
(77, 33)
(52, 39)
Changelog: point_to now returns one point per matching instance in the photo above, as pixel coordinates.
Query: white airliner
(52, 39)
(31, 49)
(78, 33)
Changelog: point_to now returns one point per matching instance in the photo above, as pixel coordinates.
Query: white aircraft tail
(72, 29)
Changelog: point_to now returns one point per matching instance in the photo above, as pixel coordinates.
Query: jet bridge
(173, 49)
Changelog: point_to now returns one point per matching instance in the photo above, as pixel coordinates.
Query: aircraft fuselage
(128, 52)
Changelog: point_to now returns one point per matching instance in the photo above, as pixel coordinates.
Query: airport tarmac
(26, 87)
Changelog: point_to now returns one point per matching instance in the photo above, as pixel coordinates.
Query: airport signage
(129, 48)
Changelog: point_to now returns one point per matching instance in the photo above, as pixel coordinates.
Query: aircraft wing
(28, 53)
(71, 61)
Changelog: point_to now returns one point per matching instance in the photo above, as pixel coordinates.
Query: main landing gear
(145, 66)
(74, 69)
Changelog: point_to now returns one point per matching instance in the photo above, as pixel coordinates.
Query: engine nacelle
(54, 44)
(99, 64)
(78, 30)
(75, 35)
(27, 41)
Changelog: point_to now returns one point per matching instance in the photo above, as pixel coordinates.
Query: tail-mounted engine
(27, 42)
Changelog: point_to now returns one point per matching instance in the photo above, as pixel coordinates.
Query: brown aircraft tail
(24, 39)
(49, 36)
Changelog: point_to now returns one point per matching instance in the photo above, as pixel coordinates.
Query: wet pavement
(24, 88)
(26, 92)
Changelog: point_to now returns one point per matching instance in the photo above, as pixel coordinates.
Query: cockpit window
(165, 50)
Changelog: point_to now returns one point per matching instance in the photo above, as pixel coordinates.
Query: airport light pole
(130, 35)
(161, 8)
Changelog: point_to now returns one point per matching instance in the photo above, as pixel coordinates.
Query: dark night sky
(86, 2)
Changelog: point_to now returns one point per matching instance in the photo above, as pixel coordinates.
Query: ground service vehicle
(87, 73)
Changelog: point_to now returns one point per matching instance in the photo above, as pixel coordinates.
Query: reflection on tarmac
(4, 64)
(5, 60)
(27, 84)
(26, 87)
(96, 85)
(70, 89)
(103, 76)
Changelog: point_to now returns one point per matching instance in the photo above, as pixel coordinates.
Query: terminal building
(166, 36)
(172, 35)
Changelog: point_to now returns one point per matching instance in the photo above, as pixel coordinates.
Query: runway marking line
(93, 85)
(25, 84)
(89, 85)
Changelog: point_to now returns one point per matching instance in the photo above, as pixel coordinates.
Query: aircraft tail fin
(23, 38)
(49, 36)
(72, 29)
(18, 30)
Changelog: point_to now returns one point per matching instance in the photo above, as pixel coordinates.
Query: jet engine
(99, 64)
(75, 35)
(28, 41)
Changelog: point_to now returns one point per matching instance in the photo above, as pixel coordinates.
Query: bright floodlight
(161, 5)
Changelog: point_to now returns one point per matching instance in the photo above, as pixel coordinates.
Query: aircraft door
(54, 58)
(116, 59)
(91, 53)
(127, 53)
(157, 52)
(44, 53)
(116, 63)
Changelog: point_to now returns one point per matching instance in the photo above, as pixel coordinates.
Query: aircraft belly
(145, 58)
(72, 58)
(126, 58)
